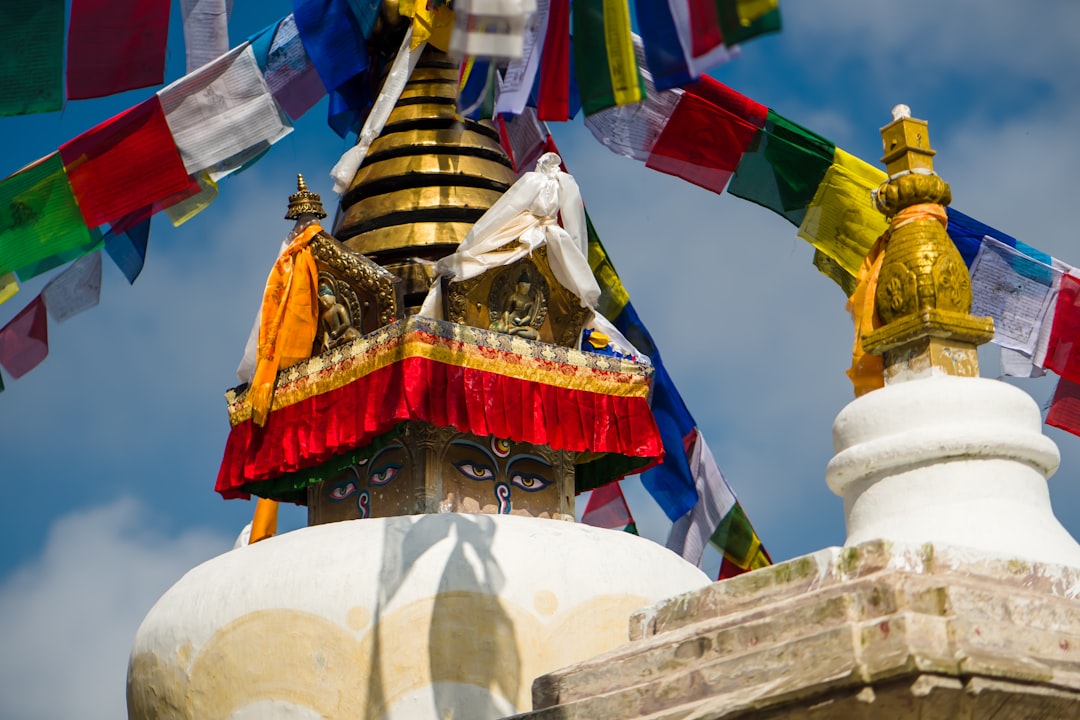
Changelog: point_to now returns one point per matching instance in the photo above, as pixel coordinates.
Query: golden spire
(304, 201)
(923, 294)
(425, 180)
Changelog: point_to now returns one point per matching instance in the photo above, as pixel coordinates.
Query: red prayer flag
(1065, 408)
(735, 103)
(607, 508)
(701, 143)
(1063, 355)
(704, 27)
(553, 94)
(125, 164)
(115, 45)
(24, 342)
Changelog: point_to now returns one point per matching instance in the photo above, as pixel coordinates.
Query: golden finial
(923, 294)
(304, 202)
(426, 179)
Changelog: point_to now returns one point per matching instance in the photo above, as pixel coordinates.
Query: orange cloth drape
(264, 522)
(867, 371)
(289, 319)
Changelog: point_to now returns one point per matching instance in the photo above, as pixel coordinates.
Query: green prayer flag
(39, 217)
(782, 168)
(31, 57)
(604, 62)
(735, 536)
(62, 258)
(737, 29)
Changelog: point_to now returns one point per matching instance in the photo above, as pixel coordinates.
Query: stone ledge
(839, 628)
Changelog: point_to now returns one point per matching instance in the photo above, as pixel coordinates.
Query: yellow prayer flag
(751, 10)
(264, 520)
(841, 220)
(430, 25)
(622, 64)
(184, 210)
(9, 286)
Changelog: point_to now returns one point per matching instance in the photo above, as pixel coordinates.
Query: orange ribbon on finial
(867, 371)
(289, 320)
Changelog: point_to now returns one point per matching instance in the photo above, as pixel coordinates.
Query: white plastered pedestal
(430, 616)
(949, 460)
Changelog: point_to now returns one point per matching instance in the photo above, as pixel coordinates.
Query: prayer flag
(9, 287)
(553, 92)
(742, 548)
(1013, 289)
(476, 89)
(701, 143)
(31, 57)
(632, 130)
(1064, 410)
(691, 533)
(128, 249)
(206, 30)
(607, 72)
(432, 23)
(670, 483)
(698, 28)
(967, 234)
(38, 215)
(1063, 354)
(115, 45)
(663, 51)
(783, 167)
(24, 341)
(841, 220)
(607, 508)
(741, 20)
(524, 138)
(289, 72)
(61, 258)
(366, 13)
(189, 207)
(516, 83)
(76, 289)
(334, 41)
(223, 115)
(124, 164)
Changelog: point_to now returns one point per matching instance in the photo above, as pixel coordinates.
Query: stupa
(438, 453)
(954, 595)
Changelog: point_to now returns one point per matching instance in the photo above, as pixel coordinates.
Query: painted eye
(342, 490)
(475, 471)
(384, 476)
(529, 483)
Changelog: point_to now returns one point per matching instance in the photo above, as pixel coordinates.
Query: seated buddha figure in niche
(519, 312)
(337, 323)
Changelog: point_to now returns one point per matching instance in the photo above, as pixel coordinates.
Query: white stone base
(952, 461)
(427, 616)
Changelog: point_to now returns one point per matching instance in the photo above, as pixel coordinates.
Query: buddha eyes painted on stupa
(509, 473)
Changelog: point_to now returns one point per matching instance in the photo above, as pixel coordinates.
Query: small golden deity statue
(337, 324)
(519, 312)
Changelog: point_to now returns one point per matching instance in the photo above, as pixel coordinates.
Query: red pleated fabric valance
(449, 375)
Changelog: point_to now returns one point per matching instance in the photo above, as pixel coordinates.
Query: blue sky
(110, 447)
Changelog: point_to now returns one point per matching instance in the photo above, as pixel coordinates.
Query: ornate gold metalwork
(923, 290)
(373, 294)
(304, 202)
(482, 300)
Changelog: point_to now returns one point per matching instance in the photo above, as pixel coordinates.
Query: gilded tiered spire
(426, 179)
(304, 202)
(923, 294)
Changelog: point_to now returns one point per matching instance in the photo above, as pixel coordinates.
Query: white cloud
(69, 615)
